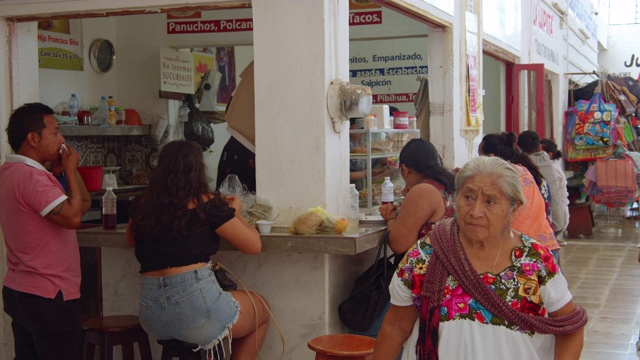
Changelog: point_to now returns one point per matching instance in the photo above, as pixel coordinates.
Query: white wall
(58, 85)
(622, 56)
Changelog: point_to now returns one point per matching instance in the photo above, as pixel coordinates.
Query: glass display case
(373, 155)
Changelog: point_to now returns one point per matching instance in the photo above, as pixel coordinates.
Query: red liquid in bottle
(109, 221)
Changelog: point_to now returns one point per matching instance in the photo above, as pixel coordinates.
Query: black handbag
(370, 292)
(223, 278)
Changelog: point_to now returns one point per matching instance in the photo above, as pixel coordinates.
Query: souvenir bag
(593, 123)
(588, 129)
(370, 292)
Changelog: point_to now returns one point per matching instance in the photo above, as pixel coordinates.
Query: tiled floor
(604, 277)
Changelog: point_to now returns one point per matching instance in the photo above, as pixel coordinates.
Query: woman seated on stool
(176, 226)
(478, 287)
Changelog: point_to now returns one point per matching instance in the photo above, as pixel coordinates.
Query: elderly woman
(478, 286)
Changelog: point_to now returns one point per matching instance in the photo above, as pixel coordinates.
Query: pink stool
(342, 347)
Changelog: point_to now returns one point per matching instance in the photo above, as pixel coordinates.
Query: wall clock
(102, 55)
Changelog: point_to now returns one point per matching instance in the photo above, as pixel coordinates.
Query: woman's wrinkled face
(483, 210)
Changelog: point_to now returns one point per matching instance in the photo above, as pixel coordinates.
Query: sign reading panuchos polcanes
(176, 71)
(60, 44)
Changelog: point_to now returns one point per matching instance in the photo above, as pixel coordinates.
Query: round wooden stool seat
(342, 347)
(109, 331)
(115, 323)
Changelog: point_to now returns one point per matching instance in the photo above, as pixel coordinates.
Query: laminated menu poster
(60, 44)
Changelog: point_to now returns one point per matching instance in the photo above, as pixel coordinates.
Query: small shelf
(372, 145)
(121, 130)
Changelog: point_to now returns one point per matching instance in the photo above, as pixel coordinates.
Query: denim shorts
(189, 307)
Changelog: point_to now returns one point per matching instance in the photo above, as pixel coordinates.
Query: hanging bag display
(593, 123)
(370, 292)
(588, 129)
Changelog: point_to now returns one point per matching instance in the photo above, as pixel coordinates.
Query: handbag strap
(255, 309)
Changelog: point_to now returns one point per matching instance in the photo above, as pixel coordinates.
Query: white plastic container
(382, 114)
(387, 191)
(264, 226)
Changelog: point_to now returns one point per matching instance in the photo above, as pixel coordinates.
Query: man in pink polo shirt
(42, 285)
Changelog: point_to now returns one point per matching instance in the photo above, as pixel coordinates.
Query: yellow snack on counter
(318, 220)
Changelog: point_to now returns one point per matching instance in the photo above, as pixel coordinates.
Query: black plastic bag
(370, 292)
(197, 127)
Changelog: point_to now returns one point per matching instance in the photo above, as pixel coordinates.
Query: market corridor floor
(604, 277)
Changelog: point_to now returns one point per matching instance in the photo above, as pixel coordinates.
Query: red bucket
(92, 177)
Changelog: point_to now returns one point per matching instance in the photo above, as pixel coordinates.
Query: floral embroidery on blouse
(532, 266)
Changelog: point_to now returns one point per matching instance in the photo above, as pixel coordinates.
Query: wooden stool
(342, 347)
(181, 350)
(109, 331)
(580, 220)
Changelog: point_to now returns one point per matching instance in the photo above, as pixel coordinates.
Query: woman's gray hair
(501, 171)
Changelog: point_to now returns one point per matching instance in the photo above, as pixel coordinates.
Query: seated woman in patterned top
(478, 287)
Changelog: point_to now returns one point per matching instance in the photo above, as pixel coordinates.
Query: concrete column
(299, 48)
(447, 87)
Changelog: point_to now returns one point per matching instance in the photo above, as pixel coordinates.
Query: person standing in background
(239, 153)
(42, 285)
(529, 143)
(533, 218)
(551, 148)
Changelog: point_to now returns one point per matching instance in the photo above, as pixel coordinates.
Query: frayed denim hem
(213, 345)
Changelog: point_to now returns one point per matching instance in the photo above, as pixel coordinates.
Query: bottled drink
(387, 191)
(354, 210)
(109, 210)
(113, 116)
(73, 108)
(100, 117)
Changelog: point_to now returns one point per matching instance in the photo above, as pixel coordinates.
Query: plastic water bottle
(100, 117)
(113, 116)
(387, 191)
(354, 209)
(73, 108)
(109, 210)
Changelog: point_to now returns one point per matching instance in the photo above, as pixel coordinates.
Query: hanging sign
(59, 44)
(176, 71)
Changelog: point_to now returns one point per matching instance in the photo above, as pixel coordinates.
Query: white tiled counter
(304, 278)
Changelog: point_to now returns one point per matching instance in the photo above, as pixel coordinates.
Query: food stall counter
(92, 235)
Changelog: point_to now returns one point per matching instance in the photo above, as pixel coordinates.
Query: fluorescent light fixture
(559, 9)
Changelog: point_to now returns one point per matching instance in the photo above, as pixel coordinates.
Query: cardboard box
(382, 112)
(241, 115)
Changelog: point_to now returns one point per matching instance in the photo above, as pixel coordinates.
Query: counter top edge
(338, 244)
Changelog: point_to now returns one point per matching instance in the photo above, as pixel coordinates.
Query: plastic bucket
(92, 177)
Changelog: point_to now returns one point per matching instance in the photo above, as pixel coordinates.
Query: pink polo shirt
(42, 256)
